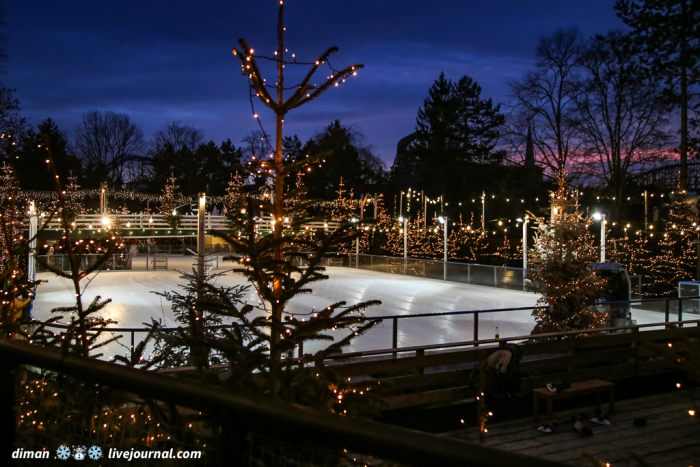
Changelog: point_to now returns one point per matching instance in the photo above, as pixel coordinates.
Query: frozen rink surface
(133, 303)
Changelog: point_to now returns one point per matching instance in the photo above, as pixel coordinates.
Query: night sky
(160, 61)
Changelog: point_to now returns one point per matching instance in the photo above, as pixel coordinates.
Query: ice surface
(133, 303)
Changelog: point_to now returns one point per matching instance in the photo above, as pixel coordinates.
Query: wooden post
(420, 353)
(7, 411)
(635, 351)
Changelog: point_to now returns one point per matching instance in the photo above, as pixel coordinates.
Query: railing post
(476, 328)
(233, 446)
(395, 335)
(666, 318)
(7, 410)
(635, 351)
(132, 346)
(680, 311)
(420, 369)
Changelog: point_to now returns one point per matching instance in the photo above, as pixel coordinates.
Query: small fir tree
(676, 259)
(234, 201)
(170, 200)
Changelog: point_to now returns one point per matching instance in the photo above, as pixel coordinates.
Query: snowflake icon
(63, 452)
(95, 453)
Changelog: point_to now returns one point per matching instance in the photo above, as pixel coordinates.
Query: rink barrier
(237, 419)
(502, 277)
(117, 262)
(660, 305)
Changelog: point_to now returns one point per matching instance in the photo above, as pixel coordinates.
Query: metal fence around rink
(472, 326)
(501, 277)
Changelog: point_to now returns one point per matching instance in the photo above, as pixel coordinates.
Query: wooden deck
(670, 438)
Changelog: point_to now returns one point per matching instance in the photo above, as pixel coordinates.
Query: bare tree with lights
(271, 267)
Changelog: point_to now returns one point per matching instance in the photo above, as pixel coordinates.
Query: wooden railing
(157, 221)
(607, 353)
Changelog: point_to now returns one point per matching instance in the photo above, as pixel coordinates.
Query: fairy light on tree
(562, 251)
(271, 283)
(169, 202)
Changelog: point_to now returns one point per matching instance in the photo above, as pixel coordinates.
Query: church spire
(529, 149)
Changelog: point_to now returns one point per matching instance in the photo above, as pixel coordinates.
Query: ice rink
(133, 303)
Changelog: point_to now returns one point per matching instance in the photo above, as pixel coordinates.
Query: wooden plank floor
(670, 438)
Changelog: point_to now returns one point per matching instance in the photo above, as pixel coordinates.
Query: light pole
(404, 221)
(483, 211)
(201, 235)
(33, 228)
(525, 222)
(357, 243)
(425, 212)
(444, 220)
(646, 213)
(405, 236)
(601, 218)
(103, 199)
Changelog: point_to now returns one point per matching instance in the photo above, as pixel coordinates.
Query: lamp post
(33, 228)
(405, 242)
(483, 211)
(201, 235)
(103, 199)
(525, 222)
(357, 243)
(444, 221)
(425, 212)
(601, 218)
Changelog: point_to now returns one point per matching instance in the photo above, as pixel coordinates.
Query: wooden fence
(434, 374)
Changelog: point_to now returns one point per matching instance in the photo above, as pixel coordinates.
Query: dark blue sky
(160, 61)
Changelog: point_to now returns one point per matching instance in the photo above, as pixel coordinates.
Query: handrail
(368, 437)
(504, 339)
(157, 221)
(397, 350)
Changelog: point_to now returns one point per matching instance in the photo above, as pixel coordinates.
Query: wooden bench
(594, 386)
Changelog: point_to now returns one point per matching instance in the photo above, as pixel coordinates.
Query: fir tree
(169, 202)
(468, 242)
(12, 245)
(234, 200)
(562, 252)
(676, 258)
(72, 207)
(12, 217)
